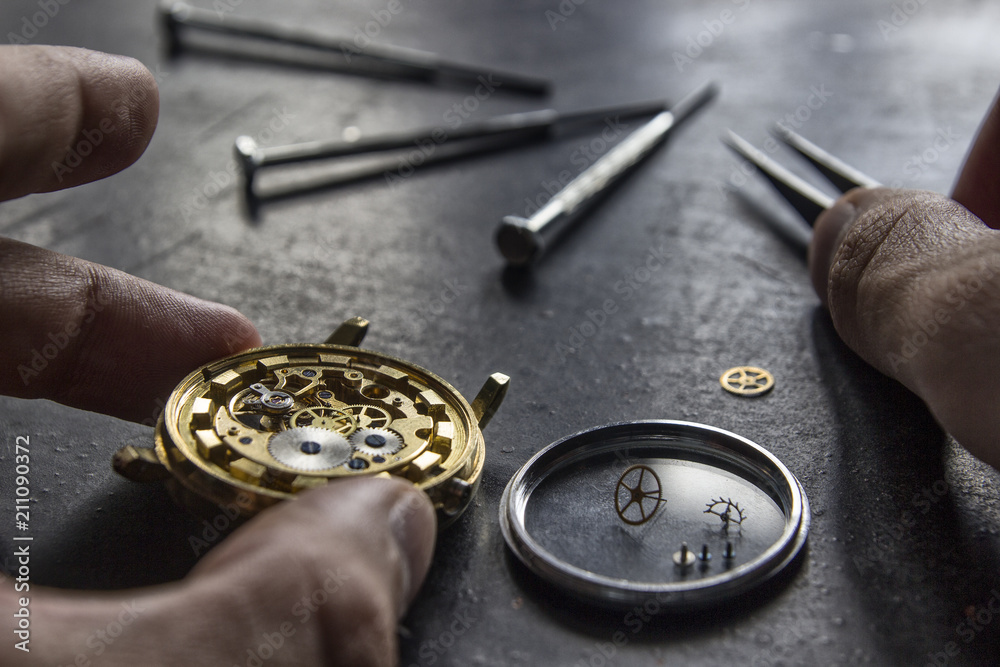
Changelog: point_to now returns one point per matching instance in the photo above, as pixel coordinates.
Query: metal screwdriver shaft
(522, 241)
(410, 62)
(253, 157)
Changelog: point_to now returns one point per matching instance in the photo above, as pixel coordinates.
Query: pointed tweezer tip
(805, 198)
(842, 175)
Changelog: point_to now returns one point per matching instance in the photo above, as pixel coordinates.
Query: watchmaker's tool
(805, 198)
(635, 511)
(408, 62)
(252, 158)
(260, 426)
(523, 241)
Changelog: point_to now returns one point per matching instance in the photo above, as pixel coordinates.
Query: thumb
(350, 557)
(318, 580)
(912, 281)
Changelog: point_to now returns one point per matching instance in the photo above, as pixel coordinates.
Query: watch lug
(139, 464)
(489, 398)
(350, 333)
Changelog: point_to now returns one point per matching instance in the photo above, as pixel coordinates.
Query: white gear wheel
(367, 441)
(309, 449)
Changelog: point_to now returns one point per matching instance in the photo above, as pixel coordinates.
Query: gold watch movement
(257, 427)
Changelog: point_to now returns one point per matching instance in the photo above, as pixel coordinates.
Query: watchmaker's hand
(319, 580)
(912, 281)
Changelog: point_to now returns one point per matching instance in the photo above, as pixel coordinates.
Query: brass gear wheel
(325, 417)
(369, 416)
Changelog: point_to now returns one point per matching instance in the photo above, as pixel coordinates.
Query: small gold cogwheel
(747, 381)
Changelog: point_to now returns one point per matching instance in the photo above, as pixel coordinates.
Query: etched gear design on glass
(369, 416)
(376, 441)
(309, 448)
(326, 417)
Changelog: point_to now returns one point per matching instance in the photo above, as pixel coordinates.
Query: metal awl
(523, 240)
(409, 62)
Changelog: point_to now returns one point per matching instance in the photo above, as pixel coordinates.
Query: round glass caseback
(684, 513)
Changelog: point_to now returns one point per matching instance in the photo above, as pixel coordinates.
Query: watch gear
(638, 495)
(325, 417)
(309, 448)
(256, 427)
(376, 441)
(370, 416)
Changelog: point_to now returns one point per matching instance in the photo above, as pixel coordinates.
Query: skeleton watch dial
(259, 426)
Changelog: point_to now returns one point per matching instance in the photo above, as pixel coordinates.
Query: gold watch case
(257, 427)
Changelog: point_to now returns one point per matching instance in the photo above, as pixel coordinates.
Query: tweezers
(803, 196)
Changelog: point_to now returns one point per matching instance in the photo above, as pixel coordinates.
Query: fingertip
(828, 232)
(832, 228)
(120, 106)
(69, 116)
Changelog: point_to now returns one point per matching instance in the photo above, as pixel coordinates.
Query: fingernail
(828, 233)
(414, 525)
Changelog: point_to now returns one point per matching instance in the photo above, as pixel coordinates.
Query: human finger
(96, 338)
(912, 282)
(70, 116)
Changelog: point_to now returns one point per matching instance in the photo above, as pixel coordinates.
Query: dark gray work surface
(904, 542)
